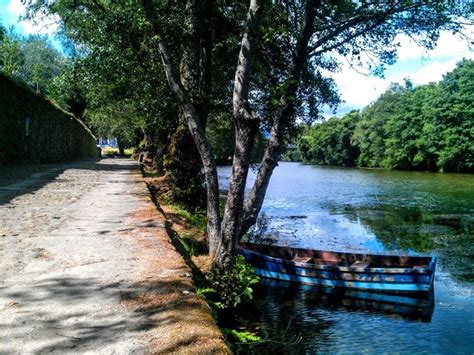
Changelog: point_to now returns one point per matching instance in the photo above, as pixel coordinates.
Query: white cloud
(433, 71)
(357, 88)
(16, 8)
(421, 66)
(45, 25)
(448, 44)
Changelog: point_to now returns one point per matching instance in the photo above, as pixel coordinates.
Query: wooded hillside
(429, 127)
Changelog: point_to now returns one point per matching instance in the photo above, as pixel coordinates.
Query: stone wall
(32, 129)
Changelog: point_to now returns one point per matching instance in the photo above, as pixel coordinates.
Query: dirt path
(86, 266)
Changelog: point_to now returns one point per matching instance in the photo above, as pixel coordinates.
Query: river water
(349, 209)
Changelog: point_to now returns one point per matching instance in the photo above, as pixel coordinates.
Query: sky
(414, 62)
(356, 90)
(11, 10)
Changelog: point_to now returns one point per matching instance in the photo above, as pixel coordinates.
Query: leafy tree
(429, 127)
(454, 118)
(31, 59)
(70, 92)
(369, 135)
(281, 61)
(405, 146)
(10, 52)
(329, 142)
(220, 133)
(424, 128)
(41, 63)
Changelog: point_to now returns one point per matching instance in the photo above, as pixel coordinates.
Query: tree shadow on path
(70, 314)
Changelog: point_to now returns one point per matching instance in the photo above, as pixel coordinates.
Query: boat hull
(374, 279)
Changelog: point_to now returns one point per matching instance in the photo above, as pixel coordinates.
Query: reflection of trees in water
(288, 310)
(410, 228)
(285, 312)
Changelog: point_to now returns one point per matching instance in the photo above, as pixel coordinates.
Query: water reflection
(329, 320)
(417, 307)
(449, 236)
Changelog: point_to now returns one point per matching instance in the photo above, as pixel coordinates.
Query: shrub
(235, 284)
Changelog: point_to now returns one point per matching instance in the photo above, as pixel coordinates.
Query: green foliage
(68, 90)
(221, 136)
(233, 285)
(329, 143)
(10, 54)
(243, 336)
(211, 297)
(220, 132)
(197, 218)
(31, 59)
(183, 167)
(41, 63)
(430, 127)
(370, 135)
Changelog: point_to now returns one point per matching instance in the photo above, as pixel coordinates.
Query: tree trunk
(121, 147)
(254, 202)
(230, 230)
(145, 147)
(184, 168)
(195, 124)
(246, 126)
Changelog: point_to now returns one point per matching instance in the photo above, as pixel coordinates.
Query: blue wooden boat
(385, 273)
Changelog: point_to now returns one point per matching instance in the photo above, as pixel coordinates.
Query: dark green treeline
(430, 127)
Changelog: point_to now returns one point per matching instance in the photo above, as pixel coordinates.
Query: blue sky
(415, 63)
(10, 12)
(7, 18)
(357, 90)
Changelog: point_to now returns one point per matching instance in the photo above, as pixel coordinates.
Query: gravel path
(86, 266)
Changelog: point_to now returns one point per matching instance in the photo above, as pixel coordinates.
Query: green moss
(33, 129)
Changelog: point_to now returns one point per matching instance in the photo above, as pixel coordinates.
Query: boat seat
(361, 263)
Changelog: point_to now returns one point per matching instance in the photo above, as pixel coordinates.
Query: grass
(195, 219)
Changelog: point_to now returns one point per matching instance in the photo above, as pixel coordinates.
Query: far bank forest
(427, 127)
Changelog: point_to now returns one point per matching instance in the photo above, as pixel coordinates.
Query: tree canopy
(32, 59)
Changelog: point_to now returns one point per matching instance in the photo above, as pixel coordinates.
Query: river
(350, 209)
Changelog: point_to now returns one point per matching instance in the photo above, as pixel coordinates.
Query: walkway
(86, 266)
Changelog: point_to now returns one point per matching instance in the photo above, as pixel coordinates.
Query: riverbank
(87, 266)
(187, 230)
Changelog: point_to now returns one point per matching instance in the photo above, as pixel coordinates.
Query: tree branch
(379, 18)
(241, 108)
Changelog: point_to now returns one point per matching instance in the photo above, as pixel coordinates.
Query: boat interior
(358, 260)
